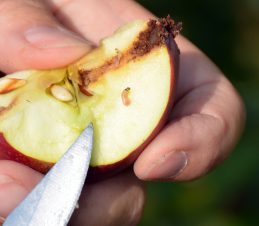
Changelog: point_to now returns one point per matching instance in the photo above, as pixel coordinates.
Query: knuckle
(12, 10)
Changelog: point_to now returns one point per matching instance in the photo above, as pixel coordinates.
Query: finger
(178, 152)
(95, 19)
(202, 133)
(16, 181)
(31, 37)
(118, 200)
(228, 118)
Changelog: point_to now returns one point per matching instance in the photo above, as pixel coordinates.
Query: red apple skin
(7, 152)
(105, 171)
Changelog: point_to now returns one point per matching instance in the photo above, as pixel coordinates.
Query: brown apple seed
(9, 84)
(86, 91)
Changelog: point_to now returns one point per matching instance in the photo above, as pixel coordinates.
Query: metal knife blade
(52, 201)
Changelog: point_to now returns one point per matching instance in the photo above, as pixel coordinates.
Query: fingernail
(168, 166)
(53, 37)
(11, 194)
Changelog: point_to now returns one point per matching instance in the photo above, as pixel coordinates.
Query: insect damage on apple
(125, 87)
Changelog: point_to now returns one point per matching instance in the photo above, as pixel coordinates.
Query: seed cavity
(73, 74)
(9, 84)
(61, 93)
(125, 96)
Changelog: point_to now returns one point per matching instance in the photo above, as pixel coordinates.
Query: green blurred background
(228, 32)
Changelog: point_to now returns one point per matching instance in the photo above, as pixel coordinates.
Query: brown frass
(158, 33)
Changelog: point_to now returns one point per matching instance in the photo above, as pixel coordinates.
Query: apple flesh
(124, 87)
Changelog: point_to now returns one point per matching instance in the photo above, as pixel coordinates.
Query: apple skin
(105, 171)
(7, 152)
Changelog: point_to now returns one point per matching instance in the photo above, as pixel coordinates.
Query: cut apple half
(124, 87)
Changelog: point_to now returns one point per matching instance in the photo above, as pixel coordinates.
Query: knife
(53, 200)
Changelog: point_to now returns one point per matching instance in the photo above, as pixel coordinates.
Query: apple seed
(9, 84)
(86, 91)
(61, 93)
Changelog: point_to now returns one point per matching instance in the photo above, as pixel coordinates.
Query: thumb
(31, 37)
(16, 181)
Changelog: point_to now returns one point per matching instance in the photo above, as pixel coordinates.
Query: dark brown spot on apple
(158, 32)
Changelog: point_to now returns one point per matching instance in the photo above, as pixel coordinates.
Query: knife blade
(53, 200)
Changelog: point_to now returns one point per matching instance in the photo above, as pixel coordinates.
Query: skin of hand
(205, 124)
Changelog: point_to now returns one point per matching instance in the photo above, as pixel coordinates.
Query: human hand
(31, 37)
(208, 114)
